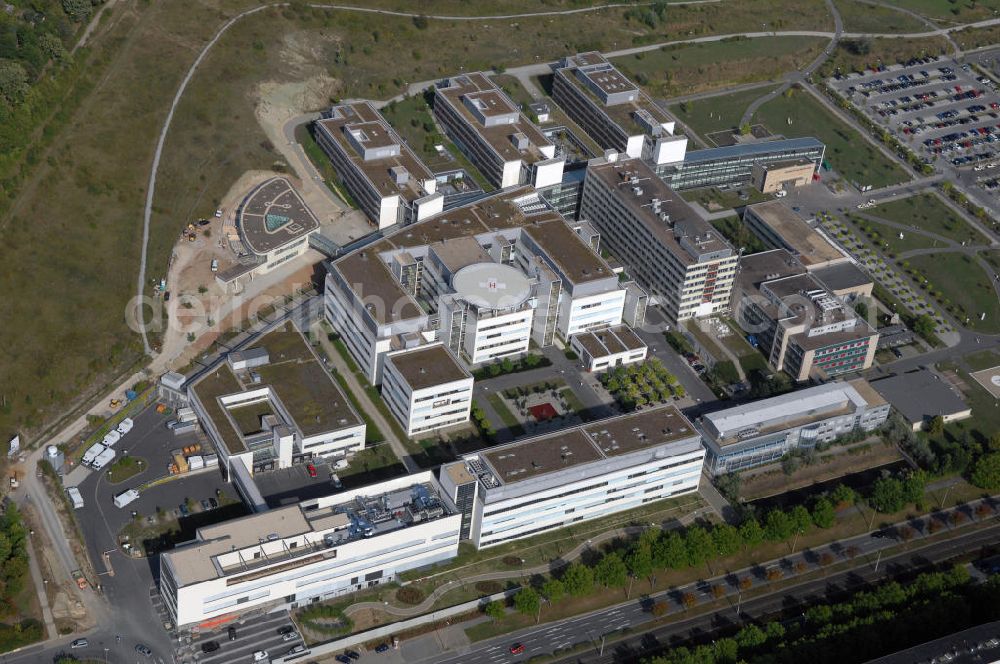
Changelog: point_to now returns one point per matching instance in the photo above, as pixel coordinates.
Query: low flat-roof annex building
(314, 550)
(733, 165)
(387, 179)
(678, 257)
(772, 177)
(605, 349)
(763, 431)
(921, 395)
(273, 225)
(614, 111)
(782, 228)
(267, 415)
(493, 133)
(798, 323)
(531, 486)
(426, 389)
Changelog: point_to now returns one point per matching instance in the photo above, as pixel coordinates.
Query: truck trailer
(103, 459)
(75, 496)
(91, 454)
(123, 499)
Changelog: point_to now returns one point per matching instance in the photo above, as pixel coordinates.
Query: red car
(312, 470)
(517, 649)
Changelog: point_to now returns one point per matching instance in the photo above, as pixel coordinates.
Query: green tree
(778, 526)
(553, 590)
(494, 610)
(843, 495)
(670, 552)
(699, 545)
(639, 561)
(823, 514)
(611, 571)
(924, 326)
(913, 487)
(527, 601)
(774, 630)
(936, 426)
(578, 579)
(52, 46)
(986, 472)
(13, 81)
(800, 518)
(78, 10)
(887, 495)
(750, 636)
(751, 533)
(726, 539)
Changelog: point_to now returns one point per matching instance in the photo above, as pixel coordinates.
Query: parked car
(296, 650)
(311, 469)
(260, 655)
(517, 649)
(80, 643)
(210, 646)
(352, 654)
(287, 629)
(382, 647)
(143, 650)
(290, 636)
(232, 633)
(213, 502)
(343, 658)
(205, 505)
(184, 509)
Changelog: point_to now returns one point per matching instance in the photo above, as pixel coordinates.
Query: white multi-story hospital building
(528, 487)
(310, 551)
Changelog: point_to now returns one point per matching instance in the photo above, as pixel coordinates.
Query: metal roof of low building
(751, 149)
(920, 394)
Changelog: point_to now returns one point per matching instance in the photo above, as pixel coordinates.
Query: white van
(123, 499)
(125, 426)
(112, 437)
(74, 495)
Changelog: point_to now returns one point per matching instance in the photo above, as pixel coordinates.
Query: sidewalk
(338, 363)
(43, 600)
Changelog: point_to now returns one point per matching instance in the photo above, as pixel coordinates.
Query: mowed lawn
(965, 285)
(849, 153)
(928, 212)
(883, 234)
(719, 112)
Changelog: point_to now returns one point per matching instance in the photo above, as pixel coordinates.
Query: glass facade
(732, 165)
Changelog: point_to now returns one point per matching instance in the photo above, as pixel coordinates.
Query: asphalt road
(635, 615)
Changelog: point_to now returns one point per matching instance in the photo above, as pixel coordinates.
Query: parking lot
(166, 502)
(294, 484)
(255, 633)
(945, 111)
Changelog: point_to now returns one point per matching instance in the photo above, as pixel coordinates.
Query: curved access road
(796, 77)
(544, 568)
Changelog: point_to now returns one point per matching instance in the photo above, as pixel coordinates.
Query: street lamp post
(739, 601)
(945, 500)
